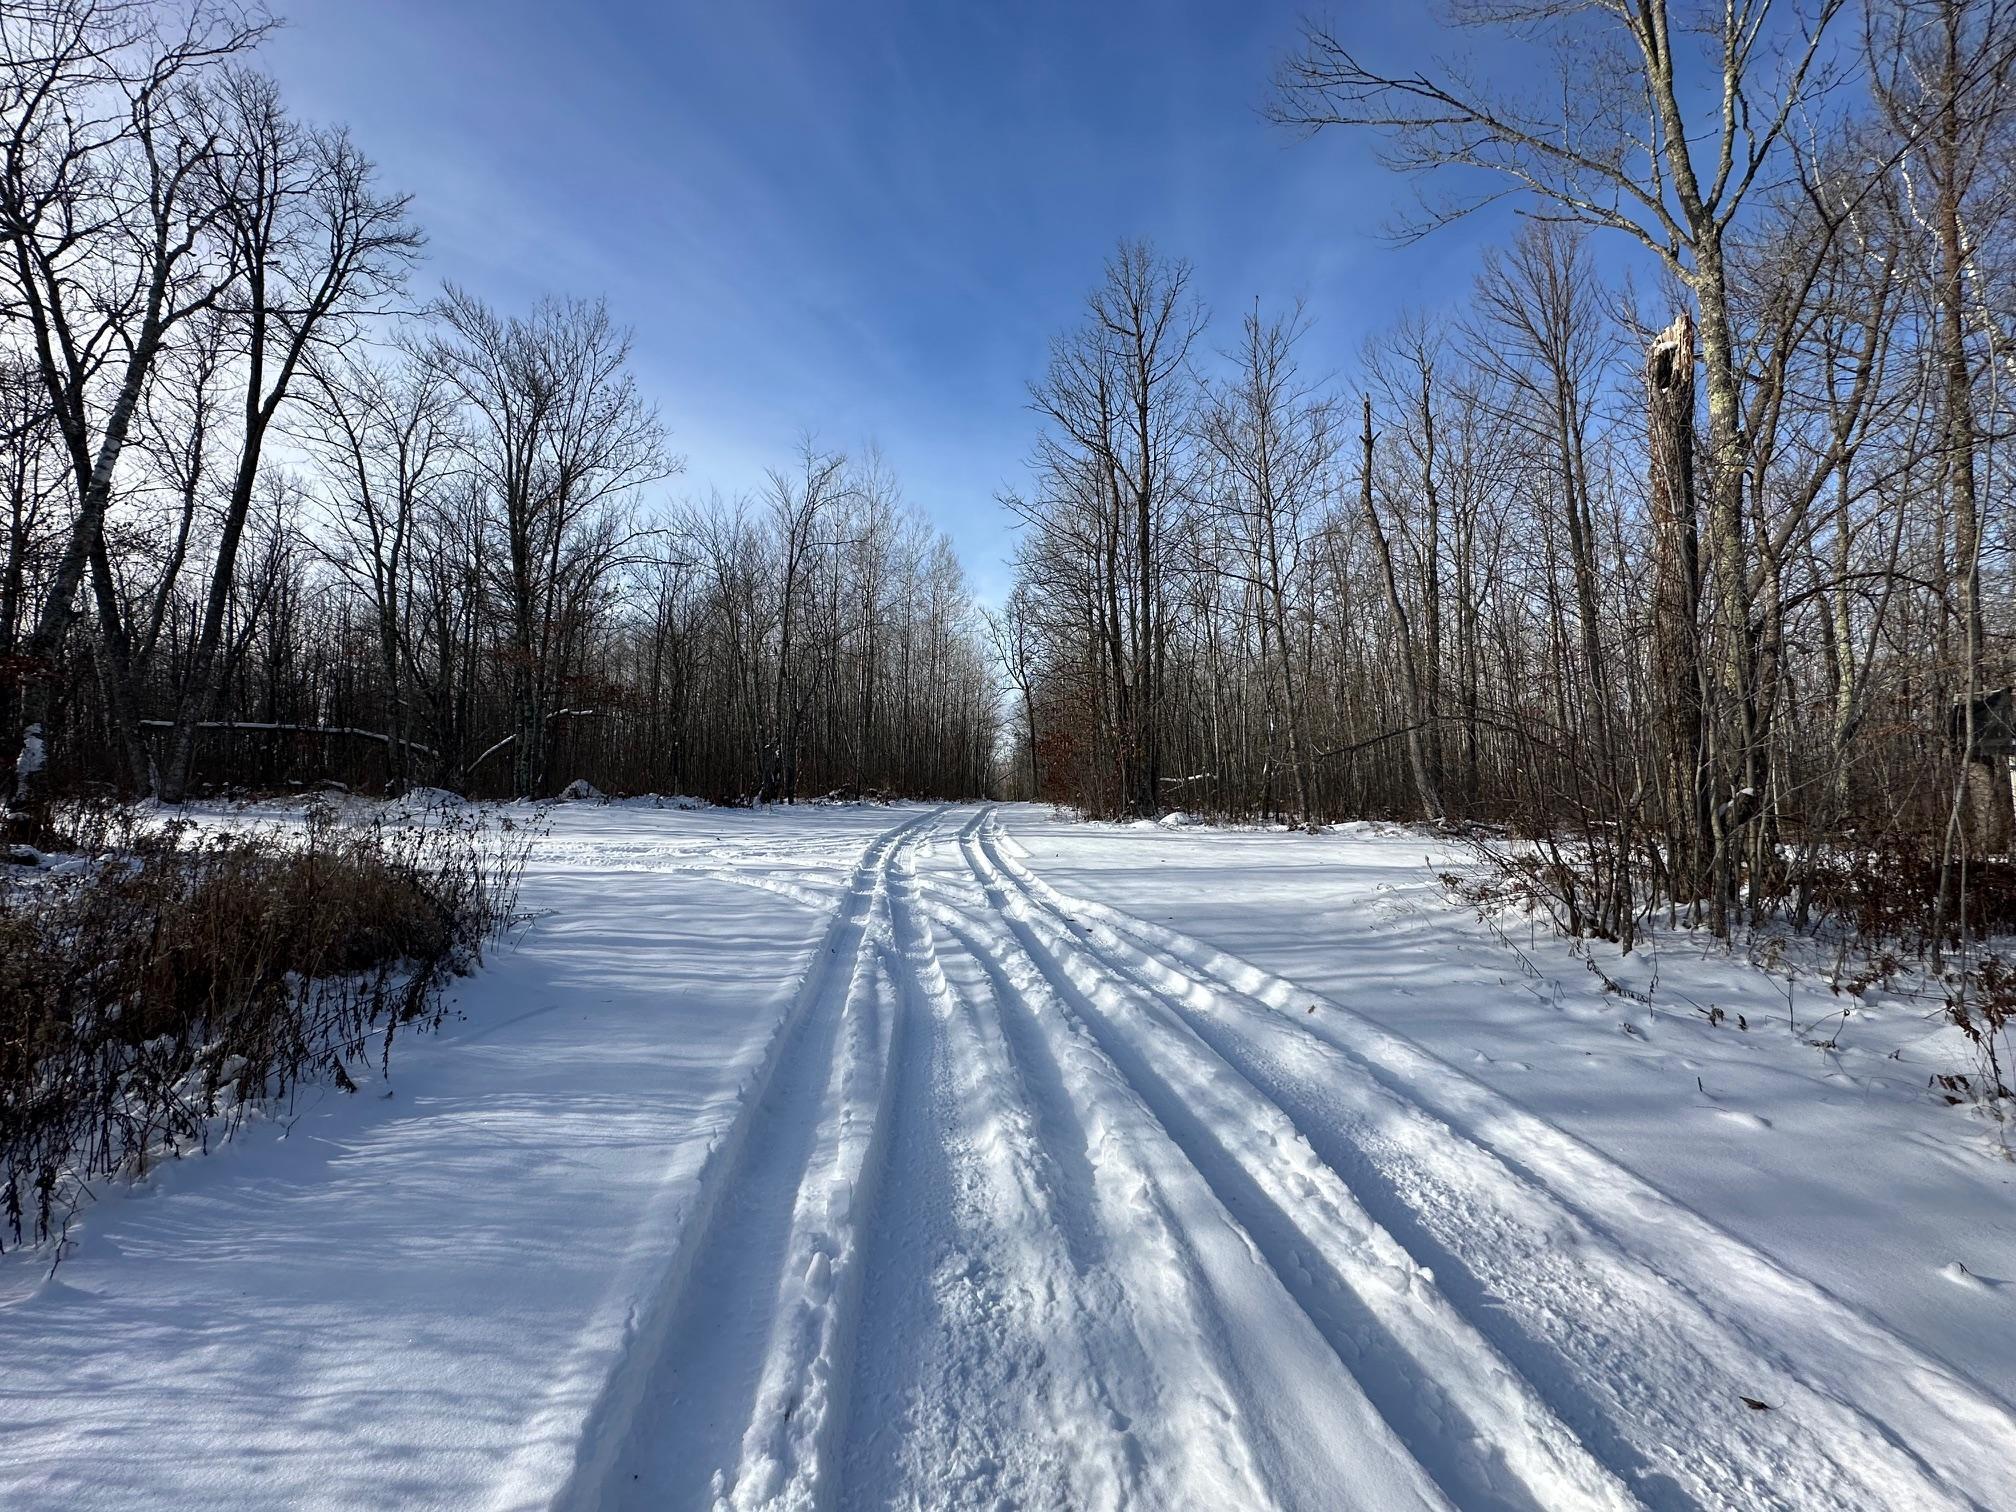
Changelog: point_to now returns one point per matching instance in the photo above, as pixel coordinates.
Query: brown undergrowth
(160, 980)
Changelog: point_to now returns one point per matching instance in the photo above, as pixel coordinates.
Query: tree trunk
(1676, 603)
(1418, 713)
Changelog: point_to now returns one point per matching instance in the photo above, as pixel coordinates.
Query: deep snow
(971, 1157)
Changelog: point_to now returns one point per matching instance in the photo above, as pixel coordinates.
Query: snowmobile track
(1525, 1233)
(672, 1427)
(1032, 1202)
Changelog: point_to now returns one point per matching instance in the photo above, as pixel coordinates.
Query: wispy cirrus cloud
(864, 220)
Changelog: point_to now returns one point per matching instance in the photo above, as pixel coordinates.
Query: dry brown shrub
(165, 980)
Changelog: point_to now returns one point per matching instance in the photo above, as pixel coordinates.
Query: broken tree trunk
(1676, 604)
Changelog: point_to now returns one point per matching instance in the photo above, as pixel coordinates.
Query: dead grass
(162, 981)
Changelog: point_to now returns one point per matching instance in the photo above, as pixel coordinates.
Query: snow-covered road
(1003, 1197)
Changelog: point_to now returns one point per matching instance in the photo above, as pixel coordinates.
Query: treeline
(272, 517)
(1713, 607)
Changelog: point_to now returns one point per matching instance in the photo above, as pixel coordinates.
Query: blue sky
(865, 219)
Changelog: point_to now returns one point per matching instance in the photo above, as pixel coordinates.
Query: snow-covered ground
(968, 1157)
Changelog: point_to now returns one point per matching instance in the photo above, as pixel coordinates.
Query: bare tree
(1271, 434)
(112, 237)
(1014, 638)
(389, 443)
(318, 247)
(562, 439)
(1115, 459)
(1662, 128)
(803, 505)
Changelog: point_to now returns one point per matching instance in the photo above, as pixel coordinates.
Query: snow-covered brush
(177, 979)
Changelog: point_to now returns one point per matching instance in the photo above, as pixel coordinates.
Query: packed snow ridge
(968, 1157)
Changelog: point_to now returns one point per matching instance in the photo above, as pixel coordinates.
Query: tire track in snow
(1460, 1409)
(1193, 1406)
(1207, 1301)
(1170, 1378)
(1241, 1402)
(978, 1384)
(800, 1410)
(1061, 1151)
(705, 1381)
(1059, 1154)
(1547, 1235)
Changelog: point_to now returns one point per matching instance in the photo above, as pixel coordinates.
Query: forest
(1674, 544)
(276, 514)
(784, 755)
(1697, 576)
